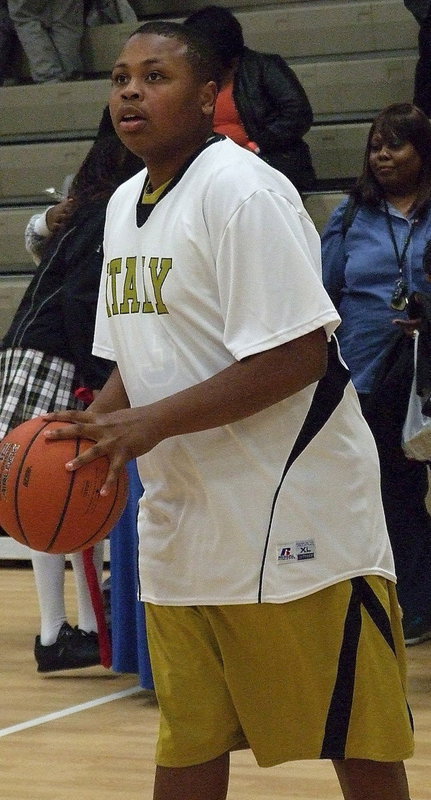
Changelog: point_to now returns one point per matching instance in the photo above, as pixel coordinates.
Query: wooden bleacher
(352, 57)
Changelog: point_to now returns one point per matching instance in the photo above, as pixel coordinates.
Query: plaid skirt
(33, 383)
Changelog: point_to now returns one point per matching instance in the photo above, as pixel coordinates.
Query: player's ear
(208, 96)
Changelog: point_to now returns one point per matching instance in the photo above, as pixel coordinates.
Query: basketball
(45, 506)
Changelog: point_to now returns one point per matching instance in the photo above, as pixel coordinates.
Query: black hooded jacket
(276, 113)
(57, 312)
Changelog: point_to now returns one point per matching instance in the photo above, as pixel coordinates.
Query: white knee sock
(49, 577)
(86, 616)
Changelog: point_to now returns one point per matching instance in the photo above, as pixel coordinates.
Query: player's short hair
(200, 52)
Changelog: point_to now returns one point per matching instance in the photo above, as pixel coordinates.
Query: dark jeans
(8, 45)
(404, 485)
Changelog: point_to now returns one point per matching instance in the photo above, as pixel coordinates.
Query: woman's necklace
(403, 203)
(399, 297)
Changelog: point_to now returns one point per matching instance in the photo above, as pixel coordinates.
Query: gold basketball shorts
(319, 677)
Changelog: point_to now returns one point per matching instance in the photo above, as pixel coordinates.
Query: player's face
(159, 108)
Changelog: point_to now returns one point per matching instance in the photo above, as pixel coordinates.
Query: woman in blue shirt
(372, 250)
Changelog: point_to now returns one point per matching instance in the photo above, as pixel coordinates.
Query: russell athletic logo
(302, 550)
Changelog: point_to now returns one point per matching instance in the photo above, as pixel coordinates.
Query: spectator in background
(128, 625)
(370, 269)
(8, 40)
(46, 363)
(261, 104)
(50, 32)
(421, 10)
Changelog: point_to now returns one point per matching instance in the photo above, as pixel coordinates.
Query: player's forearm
(239, 391)
(112, 396)
(242, 389)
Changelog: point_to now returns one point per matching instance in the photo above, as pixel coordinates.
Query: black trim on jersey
(143, 210)
(338, 718)
(327, 397)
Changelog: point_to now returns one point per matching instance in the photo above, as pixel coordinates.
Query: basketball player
(265, 563)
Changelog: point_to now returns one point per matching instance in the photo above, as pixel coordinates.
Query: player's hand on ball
(116, 434)
(47, 507)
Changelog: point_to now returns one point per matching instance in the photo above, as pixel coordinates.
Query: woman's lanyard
(399, 297)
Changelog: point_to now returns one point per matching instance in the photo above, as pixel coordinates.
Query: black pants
(422, 95)
(8, 45)
(404, 485)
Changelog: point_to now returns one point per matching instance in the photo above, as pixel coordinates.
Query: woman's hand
(409, 326)
(58, 214)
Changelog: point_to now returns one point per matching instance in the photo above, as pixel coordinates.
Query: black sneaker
(417, 631)
(73, 649)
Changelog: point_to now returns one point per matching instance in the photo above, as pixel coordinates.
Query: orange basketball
(46, 507)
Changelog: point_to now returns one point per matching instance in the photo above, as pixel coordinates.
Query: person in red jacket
(261, 104)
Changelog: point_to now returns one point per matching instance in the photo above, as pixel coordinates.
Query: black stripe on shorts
(338, 718)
